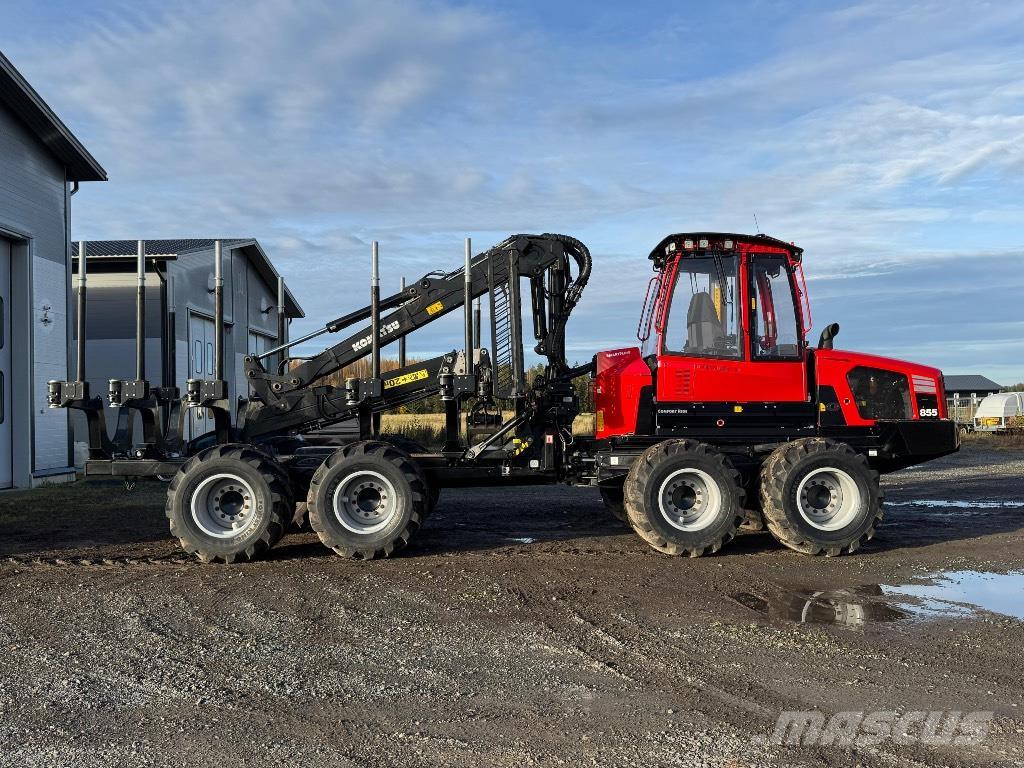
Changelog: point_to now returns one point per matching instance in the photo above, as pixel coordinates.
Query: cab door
(776, 370)
(731, 355)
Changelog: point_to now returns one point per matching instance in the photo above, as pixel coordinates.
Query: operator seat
(703, 327)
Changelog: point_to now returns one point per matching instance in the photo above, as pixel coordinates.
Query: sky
(886, 139)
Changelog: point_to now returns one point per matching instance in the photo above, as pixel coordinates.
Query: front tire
(367, 500)
(229, 503)
(684, 498)
(820, 496)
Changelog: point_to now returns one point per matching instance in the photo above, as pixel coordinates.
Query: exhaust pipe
(827, 335)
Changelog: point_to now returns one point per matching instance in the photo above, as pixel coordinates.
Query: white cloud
(874, 135)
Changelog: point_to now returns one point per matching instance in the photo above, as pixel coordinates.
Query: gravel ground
(524, 627)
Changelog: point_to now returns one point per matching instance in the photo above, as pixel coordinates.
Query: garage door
(260, 343)
(6, 472)
(200, 366)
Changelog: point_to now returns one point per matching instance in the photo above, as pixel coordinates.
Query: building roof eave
(29, 106)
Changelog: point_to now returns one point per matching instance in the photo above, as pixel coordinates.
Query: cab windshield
(702, 318)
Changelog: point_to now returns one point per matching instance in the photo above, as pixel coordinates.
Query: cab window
(774, 330)
(702, 318)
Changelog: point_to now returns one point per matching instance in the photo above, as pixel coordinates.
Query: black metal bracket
(211, 394)
(75, 395)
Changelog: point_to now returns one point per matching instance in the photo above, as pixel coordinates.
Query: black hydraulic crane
(557, 268)
(292, 400)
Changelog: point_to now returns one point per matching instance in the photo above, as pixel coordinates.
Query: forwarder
(724, 413)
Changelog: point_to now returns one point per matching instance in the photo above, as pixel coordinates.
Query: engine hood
(853, 359)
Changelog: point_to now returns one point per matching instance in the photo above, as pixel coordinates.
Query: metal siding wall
(261, 295)
(50, 350)
(33, 204)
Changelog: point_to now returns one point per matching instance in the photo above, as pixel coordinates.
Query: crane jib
(542, 259)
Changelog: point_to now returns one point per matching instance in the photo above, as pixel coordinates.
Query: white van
(997, 412)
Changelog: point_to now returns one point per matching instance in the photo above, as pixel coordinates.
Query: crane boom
(291, 399)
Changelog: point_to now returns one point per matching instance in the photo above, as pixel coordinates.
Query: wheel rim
(365, 502)
(690, 499)
(224, 506)
(829, 499)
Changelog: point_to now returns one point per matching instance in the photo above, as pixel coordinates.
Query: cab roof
(660, 250)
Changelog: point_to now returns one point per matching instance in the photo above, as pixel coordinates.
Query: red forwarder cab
(726, 360)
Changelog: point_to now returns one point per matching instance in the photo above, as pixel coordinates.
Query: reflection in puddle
(851, 607)
(940, 503)
(945, 595)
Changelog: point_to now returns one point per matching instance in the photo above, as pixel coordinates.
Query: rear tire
(820, 496)
(614, 502)
(684, 498)
(229, 503)
(367, 500)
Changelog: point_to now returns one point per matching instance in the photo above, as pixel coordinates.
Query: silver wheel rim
(224, 506)
(689, 499)
(829, 499)
(365, 502)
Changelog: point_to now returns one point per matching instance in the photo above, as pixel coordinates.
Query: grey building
(964, 392)
(179, 315)
(969, 387)
(41, 164)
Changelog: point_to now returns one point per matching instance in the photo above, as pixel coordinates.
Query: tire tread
(777, 469)
(277, 481)
(386, 452)
(638, 477)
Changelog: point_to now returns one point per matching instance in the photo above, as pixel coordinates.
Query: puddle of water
(850, 607)
(945, 595)
(965, 592)
(939, 503)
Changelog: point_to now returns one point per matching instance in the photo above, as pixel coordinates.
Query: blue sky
(886, 139)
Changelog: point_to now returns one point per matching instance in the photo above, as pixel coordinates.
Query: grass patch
(997, 442)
